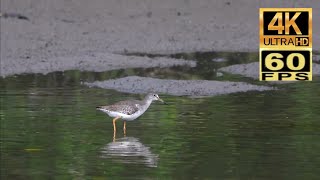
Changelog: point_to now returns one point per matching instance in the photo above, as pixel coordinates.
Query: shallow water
(50, 129)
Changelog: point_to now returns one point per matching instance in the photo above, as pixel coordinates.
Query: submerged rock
(139, 85)
(248, 70)
(219, 60)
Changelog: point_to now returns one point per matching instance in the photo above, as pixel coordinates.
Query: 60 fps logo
(285, 44)
(289, 65)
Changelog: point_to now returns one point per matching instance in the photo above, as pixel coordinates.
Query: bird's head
(154, 97)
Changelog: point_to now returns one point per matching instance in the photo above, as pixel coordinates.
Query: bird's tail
(102, 108)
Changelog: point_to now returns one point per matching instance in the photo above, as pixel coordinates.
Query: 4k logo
(285, 44)
(288, 23)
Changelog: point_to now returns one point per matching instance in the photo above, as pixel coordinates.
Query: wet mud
(143, 85)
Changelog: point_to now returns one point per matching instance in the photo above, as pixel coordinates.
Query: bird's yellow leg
(114, 128)
(124, 128)
(114, 124)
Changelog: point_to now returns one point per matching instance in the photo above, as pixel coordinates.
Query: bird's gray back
(128, 107)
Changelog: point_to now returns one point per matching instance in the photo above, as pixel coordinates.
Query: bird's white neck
(146, 104)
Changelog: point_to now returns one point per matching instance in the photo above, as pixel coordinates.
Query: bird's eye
(154, 95)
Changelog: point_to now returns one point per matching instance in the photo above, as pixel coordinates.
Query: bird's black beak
(162, 101)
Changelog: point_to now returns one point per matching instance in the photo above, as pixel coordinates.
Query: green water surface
(50, 129)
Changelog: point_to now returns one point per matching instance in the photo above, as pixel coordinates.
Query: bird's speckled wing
(124, 107)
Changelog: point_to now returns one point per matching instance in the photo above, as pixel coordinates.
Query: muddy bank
(64, 28)
(97, 62)
(142, 85)
(251, 70)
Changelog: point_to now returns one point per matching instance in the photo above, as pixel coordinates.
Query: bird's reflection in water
(130, 150)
